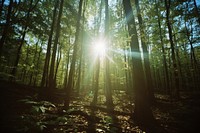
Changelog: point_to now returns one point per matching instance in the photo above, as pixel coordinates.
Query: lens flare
(99, 48)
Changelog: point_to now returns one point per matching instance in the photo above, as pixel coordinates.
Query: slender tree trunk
(193, 61)
(163, 50)
(67, 69)
(108, 86)
(68, 89)
(48, 54)
(142, 114)
(79, 75)
(192, 53)
(96, 82)
(24, 71)
(196, 10)
(126, 71)
(146, 56)
(34, 64)
(175, 68)
(1, 7)
(52, 80)
(81, 52)
(59, 57)
(14, 70)
(154, 77)
(37, 66)
(97, 63)
(179, 67)
(7, 25)
(13, 73)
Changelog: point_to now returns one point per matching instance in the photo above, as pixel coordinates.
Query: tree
(48, 53)
(52, 77)
(173, 56)
(146, 55)
(108, 87)
(81, 60)
(5, 30)
(196, 10)
(69, 86)
(1, 7)
(25, 30)
(163, 49)
(142, 114)
(97, 61)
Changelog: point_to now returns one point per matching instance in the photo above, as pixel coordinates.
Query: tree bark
(175, 68)
(81, 61)
(163, 51)
(146, 56)
(142, 114)
(67, 67)
(68, 89)
(48, 54)
(96, 82)
(108, 87)
(14, 70)
(52, 78)
(196, 10)
(37, 66)
(1, 7)
(34, 59)
(5, 30)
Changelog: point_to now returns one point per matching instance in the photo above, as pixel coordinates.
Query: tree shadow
(92, 121)
(114, 125)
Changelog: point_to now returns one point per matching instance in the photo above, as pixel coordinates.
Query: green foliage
(30, 124)
(108, 119)
(36, 110)
(62, 119)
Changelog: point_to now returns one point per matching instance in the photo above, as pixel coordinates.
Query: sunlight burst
(99, 48)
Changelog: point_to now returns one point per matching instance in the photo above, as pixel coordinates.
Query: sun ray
(99, 48)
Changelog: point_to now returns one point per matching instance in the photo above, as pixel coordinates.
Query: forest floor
(21, 112)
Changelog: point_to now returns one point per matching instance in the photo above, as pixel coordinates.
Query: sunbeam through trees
(99, 66)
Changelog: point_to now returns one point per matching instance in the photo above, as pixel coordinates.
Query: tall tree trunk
(81, 52)
(196, 10)
(146, 56)
(52, 80)
(48, 54)
(7, 25)
(108, 87)
(37, 66)
(126, 70)
(193, 61)
(59, 57)
(1, 7)
(97, 63)
(68, 89)
(163, 50)
(34, 64)
(190, 40)
(79, 75)
(96, 82)
(14, 70)
(142, 114)
(24, 71)
(67, 67)
(175, 68)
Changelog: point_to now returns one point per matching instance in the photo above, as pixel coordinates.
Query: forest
(105, 66)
